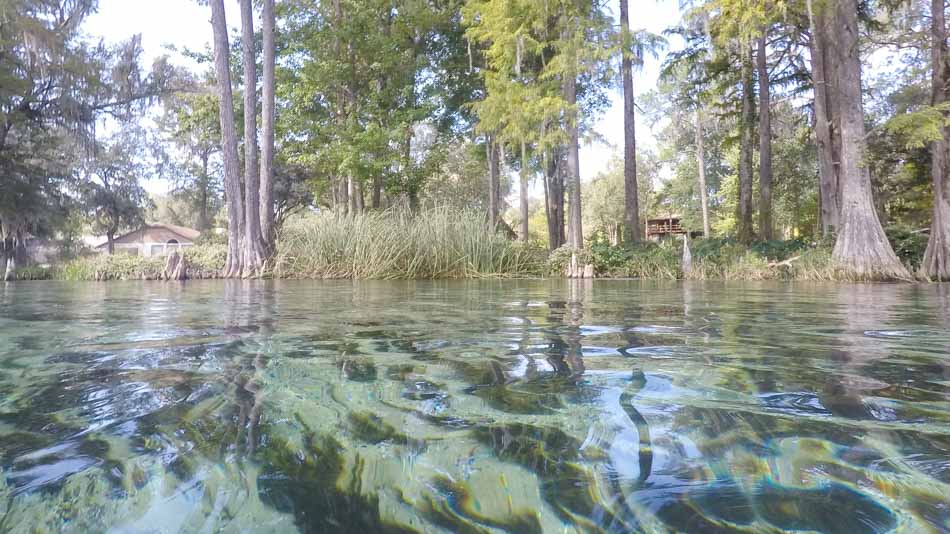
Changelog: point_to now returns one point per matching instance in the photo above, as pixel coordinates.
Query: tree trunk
(765, 142)
(359, 203)
(524, 193)
(110, 242)
(575, 228)
(268, 117)
(554, 199)
(545, 164)
(232, 180)
(936, 263)
(351, 195)
(631, 208)
(9, 249)
(203, 223)
(377, 197)
(861, 247)
(493, 181)
(744, 230)
(701, 166)
(560, 179)
(253, 241)
(825, 136)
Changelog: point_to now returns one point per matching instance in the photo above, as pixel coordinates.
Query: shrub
(207, 260)
(115, 267)
(33, 273)
(204, 261)
(606, 257)
(559, 259)
(909, 245)
(779, 250)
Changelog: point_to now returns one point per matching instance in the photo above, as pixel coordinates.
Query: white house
(154, 239)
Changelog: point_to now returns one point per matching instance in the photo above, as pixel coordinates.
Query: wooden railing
(664, 227)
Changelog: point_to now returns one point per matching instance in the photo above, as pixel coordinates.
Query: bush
(115, 267)
(646, 260)
(207, 260)
(779, 250)
(606, 257)
(204, 261)
(438, 243)
(909, 245)
(33, 273)
(559, 259)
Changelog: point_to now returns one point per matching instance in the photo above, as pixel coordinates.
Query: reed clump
(437, 243)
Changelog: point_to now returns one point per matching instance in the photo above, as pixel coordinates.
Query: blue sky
(185, 24)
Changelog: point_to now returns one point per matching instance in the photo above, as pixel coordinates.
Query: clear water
(514, 406)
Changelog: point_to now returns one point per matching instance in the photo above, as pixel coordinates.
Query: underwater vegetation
(527, 409)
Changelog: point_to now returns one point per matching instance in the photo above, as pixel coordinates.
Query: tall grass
(438, 243)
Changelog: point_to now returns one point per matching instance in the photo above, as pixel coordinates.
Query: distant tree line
(770, 123)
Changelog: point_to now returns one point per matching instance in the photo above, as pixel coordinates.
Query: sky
(186, 24)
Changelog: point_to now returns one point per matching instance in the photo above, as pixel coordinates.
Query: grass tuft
(438, 243)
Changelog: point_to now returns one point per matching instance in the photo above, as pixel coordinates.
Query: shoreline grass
(446, 244)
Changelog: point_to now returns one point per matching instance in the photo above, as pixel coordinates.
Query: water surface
(516, 406)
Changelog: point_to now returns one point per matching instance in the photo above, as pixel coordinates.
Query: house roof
(666, 217)
(189, 234)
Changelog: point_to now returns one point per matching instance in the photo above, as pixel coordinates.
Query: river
(474, 406)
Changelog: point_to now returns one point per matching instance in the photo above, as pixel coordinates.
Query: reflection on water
(474, 407)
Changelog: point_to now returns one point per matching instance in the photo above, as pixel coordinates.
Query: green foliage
(909, 244)
(437, 243)
(605, 257)
(56, 86)
(779, 250)
(204, 261)
(559, 259)
(34, 273)
(922, 127)
(103, 267)
(649, 261)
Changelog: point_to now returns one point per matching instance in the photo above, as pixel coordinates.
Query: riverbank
(440, 244)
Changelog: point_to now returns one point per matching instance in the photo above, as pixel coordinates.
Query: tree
(936, 262)
(234, 266)
(745, 233)
(253, 240)
(268, 119)
(54, 88)
(111, 193)
(575, 230)
(826, 131)
(701, 171)
(631, 212)
(862, 247)
(765, 140)
(191, 138)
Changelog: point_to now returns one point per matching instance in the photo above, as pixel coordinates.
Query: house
(667, 225)
(154, 239)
